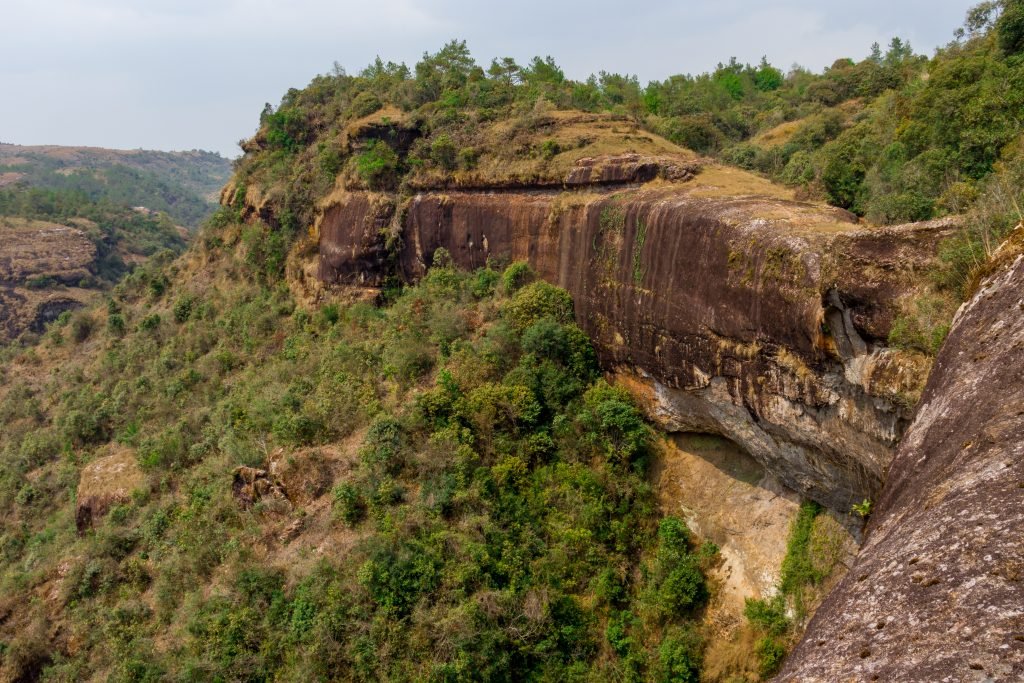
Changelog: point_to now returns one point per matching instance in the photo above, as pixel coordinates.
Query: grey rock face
(937, 592)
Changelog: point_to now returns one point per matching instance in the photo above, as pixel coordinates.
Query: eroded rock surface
(251, 485)
(937, 592)
(743, 312)
(104, 483)
(41, 265)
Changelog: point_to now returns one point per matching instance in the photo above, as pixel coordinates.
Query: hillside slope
(385, 418)
(60, 251)
(182, 184)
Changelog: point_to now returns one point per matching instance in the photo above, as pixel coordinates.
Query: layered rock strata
(755, 317)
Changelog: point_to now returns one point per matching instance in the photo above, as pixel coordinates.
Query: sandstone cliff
(741, 311)
(935, 592)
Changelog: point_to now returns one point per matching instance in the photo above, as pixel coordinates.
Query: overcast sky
(185, 74)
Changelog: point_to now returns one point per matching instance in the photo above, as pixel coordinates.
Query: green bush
(150, 322)
(349, 503)
(767, 615)
(536, 301)
(40, 282)
(516, 276)
(82, 326)
(398, 575)
(797, 567)
(443, 152)
(770, 654)
(683, 589)
(116, 324)
(331, 314)
(679, 656)
(614, 425)
(378, 165)
(382, 449)
(549, 149)
(183, 308)
(1010, 27)
(925, 327)
(468, 158)
(364, 104)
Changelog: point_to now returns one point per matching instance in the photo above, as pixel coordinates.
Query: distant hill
(184, 185)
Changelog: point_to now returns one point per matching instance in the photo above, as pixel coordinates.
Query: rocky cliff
(731, 307)
(935, 592)
(41, 267)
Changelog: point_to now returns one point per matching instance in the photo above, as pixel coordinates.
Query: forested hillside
(223, 469)
(129, 205)
(183, 185)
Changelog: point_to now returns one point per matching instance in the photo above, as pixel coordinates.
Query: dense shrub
(82, 326)
(378, 165)
(536, 301)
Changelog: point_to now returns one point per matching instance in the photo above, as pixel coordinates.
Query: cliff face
(752, 316)
(41, 265)
(935, 592)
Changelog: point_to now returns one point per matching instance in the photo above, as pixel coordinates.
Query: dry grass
(9, 178)
(39, 248)
(389, 115)
(113, 476)
(784, 132)
(726, 181)
(777, 136)
(510, 151)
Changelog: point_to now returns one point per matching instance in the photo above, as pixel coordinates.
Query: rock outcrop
(935, 594)
(41, 265)
(251, 485)
(104, 483)
(742, 312)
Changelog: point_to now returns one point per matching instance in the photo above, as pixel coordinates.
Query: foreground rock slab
(937, 592)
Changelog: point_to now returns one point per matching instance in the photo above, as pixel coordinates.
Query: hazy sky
(184, 74)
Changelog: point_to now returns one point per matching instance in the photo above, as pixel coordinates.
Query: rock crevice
(935, 592)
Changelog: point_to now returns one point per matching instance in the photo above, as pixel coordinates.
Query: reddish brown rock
(612, 169)
(755, 317)
(937, 592)
(353, 243)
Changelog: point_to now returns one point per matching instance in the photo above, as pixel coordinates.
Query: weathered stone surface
(104, 483)
(937, 592)
(41, 265)
(352, 241)
(755, 317)
(613, 169)
(251, 485)
(304, 474)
